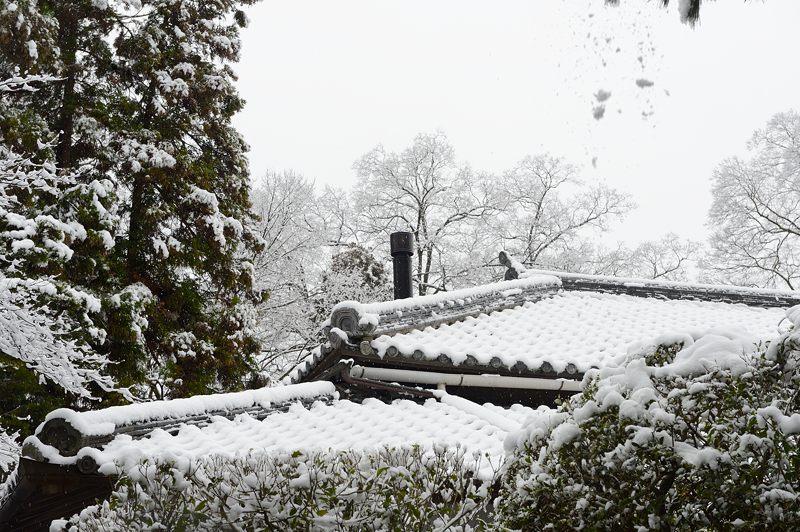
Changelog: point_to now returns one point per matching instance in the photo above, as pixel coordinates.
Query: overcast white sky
(327, 81)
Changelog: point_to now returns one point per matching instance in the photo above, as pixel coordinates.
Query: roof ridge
(634, 286)
(69, 431)
(754, 297)
(662, 282)
(359, 320)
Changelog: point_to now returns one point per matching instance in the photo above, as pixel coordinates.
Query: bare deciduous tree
(422, 190)
(289, 223)
(666, 259)
(334, 207)
(755, 215)
(669, 259)
(295, 236)
(549, 210)
(307, 265)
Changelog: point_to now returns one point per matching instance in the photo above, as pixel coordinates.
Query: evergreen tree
(139, 114)
(184, 166)
(48, 322)
(354, 274)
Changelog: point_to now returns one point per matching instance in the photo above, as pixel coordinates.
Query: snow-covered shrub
(391, 489)
(698, 433)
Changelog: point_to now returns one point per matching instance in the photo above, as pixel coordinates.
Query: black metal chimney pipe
(402, 246)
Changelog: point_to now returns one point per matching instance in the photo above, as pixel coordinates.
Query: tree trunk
(68, 43)
(137, 231)
(420, 286)
(135, 258)
(427, 273)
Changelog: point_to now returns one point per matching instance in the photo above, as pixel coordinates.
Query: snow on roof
(520, 324)
(106, 420)
(337, 425)
(574, 331)
(776, 293)
(440, 298)
(356, 319)
(636, 281)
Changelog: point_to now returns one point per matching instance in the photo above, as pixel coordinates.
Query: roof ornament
(514, 267)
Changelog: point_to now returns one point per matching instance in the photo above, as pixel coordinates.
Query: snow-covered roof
(543, 323)
(573, 331)
(337, 424)
(759, 297)
(116, 418)
(388, 317)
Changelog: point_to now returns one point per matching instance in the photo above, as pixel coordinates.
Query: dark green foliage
(653, 446)
(142, 100)
(390, 489)
(357, 261)
(24, 400)
(354, 274)
(124, 209)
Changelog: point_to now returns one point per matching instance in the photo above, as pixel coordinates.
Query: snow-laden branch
(756, 209)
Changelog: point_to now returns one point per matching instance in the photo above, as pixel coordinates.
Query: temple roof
(307, 417)
(538, 324)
